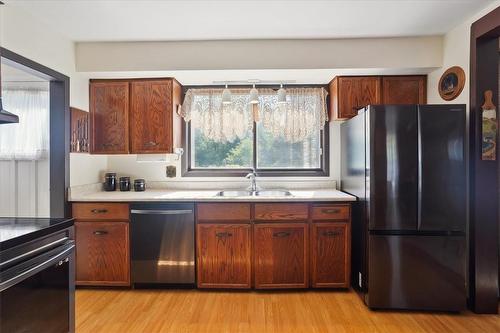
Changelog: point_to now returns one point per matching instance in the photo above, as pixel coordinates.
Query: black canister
(139, 185)
(124, 184)
(109, 181)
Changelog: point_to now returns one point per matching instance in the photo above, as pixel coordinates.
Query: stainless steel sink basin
(260, 193)
(273, 193)
(234, 193)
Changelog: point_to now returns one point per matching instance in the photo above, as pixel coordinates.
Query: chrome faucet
(253, 185)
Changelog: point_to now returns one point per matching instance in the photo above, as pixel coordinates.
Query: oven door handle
(56, 259)
(36, 251)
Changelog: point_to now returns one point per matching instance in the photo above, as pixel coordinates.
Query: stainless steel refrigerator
(406, 165)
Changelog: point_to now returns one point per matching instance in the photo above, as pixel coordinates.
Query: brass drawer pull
(99, 211)
(100, 232)
(223, 234)
(109, 144)
(282, 234)
(151, 144)
(331, 233)
(331, 210)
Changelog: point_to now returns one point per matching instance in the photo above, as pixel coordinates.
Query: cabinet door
(102, 253)
(281, 255)
(404, 89)
(109, 106)
(224, 255)
(151, 116)
(355, 93)
(330, 259)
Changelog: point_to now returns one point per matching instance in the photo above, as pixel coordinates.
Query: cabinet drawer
(224, 255)
(281, 212)
(223, 212)
(100, 211)
(331, 212)
(102, 253)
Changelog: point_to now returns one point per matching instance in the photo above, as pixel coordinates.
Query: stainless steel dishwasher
(162, 243)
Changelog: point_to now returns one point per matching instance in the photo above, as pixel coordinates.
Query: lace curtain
(300, 117)
(29, 139)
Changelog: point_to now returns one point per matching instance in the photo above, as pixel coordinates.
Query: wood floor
(193, 311)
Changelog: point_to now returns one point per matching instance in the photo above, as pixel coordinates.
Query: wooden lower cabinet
(224, 255)
(102, 253)
(281, 255)
(330, 255)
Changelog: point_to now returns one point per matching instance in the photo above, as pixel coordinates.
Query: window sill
(260, 173)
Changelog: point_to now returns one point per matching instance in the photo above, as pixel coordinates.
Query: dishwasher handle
(161, 212)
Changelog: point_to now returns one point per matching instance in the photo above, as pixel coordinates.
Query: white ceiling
(115, 20)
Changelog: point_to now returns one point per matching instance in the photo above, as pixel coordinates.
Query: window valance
(302, 115)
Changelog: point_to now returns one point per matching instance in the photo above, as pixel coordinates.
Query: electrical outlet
(171, 171)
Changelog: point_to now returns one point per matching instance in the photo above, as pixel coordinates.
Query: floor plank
(195, 311)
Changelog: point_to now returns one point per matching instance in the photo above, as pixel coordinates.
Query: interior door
(393, 167)
(442, 184)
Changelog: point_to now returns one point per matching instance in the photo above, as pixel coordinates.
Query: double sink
(257, 193)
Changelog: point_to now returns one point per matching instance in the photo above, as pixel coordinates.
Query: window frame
(322, 171)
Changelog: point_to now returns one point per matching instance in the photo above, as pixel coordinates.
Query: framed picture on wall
(452, 83)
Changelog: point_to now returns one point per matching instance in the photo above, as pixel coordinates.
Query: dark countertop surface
(16, 230)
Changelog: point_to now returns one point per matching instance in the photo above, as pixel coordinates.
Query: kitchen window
(274, 139)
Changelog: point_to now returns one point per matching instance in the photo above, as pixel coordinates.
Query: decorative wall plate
(452, 83)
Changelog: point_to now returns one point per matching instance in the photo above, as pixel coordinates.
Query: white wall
(22, 33)
(127, 165)
(456, 52)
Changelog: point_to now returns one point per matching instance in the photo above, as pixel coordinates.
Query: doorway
(34, 154)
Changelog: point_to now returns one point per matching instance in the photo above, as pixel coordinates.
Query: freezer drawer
(416, 272)
(162, 243)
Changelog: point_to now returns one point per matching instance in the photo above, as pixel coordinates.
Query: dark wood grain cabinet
(224, 255)
(273, 245)
(102, 253)
(135, 116)
(348, 94)
(281, 255)
(102, 244)
(109, 111)
(404, 89)
(153, 116)
(330, 255)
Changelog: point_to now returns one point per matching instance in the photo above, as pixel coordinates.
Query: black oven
(37, 286)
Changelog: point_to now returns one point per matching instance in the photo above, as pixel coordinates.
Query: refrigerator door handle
(419, 174)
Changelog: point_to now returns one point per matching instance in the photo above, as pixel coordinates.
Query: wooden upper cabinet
(348, 94)
(145, 108)
(153, 116)
(109, 110)
(404, 89)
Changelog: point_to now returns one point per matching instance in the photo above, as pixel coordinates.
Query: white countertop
(206, 195)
